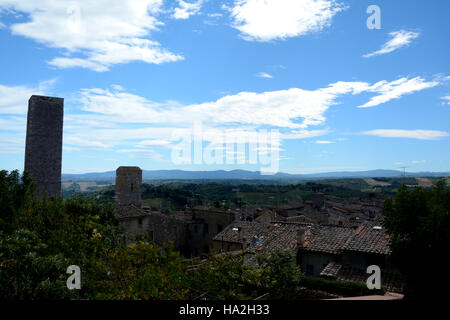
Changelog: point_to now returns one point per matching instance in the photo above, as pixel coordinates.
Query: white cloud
(293, 109)
(70, 149)
(118, 87)
(154, 142)
(94, 34)
(409, 134)
(396, 89)
(104, 113)
(14, 99)
(399, 39)
(304, 134)
(324, 142)
(265, 20)
(418, 161)
(264, 75)
(446, 100)
(187, 9)
(141, 153)
(77, 141)
(12, 143)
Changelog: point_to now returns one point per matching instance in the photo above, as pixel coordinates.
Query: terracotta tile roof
(130, 212)
(369, 237)
(333, 239)
(300, 219)
(326, 238)
(260, 236)
(331, 270)
(389, 280)
(243, 231)
(282, 236)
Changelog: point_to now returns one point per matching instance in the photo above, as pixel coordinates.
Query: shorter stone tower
(318, 200)
(128, 186)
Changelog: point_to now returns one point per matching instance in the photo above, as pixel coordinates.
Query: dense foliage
(272, 275)
(39, 239)
(419, 223)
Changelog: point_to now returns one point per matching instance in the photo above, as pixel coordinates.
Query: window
(174, 231)
(219, 228)
(140, 221)
(132, 187)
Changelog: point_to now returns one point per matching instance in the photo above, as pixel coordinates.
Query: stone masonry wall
(128, 186)
(43, 150)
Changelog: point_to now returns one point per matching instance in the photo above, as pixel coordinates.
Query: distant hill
(245, 174)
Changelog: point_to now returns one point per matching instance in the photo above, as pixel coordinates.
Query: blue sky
(342, 96)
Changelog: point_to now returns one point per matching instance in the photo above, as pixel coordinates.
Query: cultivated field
(373, 182)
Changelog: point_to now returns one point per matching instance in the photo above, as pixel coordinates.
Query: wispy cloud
(187, 9)
(73, 140)
(274, 19)
(14, 99)
(141, 153)
(399, 39)
(93, 34)
(324, 142)
(409, 134)
(446, 100)
(396, 89)
(264, 75)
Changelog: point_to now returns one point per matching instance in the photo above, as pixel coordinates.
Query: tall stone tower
(128, 186)
(43, 149)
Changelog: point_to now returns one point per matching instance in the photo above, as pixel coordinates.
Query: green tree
(27, 274)
(15, 193)
(40, 238)
(139, 271)
(419, 224)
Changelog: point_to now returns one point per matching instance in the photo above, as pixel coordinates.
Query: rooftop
(391, 281)
(369, 237)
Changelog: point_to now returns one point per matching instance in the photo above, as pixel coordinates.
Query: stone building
(214, 221)
(344, 253)
(190, 232)
(258, 236)
(43, 149)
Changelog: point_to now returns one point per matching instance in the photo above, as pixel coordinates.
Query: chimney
(301, 237)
